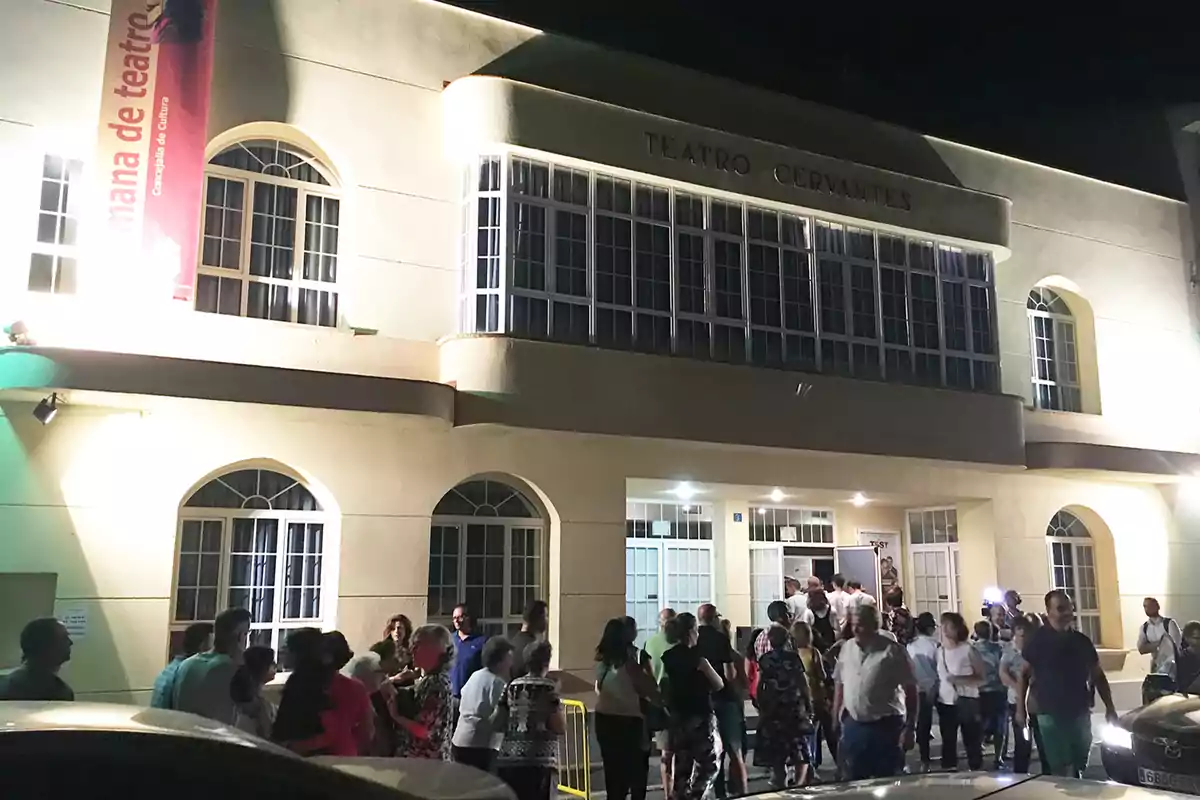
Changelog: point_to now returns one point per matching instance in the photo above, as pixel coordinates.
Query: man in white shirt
(1160, 636)
(875, 701)
(857, 598)
(838, 599)
(796, 599)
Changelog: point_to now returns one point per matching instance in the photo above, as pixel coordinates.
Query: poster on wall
(887, 545)
(150, 145)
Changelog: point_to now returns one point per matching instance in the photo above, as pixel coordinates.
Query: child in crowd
(993, 696)
(923, 651)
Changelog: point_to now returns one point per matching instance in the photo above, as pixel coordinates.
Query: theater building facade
(479, 313)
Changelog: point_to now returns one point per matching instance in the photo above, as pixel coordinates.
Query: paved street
(758, 777)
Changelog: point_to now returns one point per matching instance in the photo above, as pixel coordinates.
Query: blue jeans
(871, 749)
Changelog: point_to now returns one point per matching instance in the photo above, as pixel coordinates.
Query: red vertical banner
(153, 130)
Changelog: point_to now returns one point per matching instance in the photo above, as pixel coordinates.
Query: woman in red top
(322, 712)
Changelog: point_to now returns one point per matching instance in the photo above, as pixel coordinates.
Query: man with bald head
(728, 703)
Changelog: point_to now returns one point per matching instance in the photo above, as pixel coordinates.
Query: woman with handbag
(624, 689)
(689, 682)
(960, 673)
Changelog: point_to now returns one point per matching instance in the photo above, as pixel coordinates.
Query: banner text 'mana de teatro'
(152, 134)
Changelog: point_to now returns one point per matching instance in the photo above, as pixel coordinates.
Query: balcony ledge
(47, 369)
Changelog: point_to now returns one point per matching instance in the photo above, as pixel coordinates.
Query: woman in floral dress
(785, 711)
(424, 712)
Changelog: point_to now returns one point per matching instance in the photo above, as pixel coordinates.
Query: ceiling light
(684, 491)
(859, 500)
(46, 409)
(762, 511)
(777, 495)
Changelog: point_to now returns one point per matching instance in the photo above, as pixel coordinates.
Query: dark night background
(1077, 88)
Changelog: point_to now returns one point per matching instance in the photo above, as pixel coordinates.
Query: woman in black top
(688, 684)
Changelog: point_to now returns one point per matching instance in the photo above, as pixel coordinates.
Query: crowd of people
(426, 692)
(834, 669)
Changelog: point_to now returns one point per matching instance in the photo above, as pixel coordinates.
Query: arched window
(487, 549)
(1054, 351)
(270, 244)
(1073, 568)
(252, 539)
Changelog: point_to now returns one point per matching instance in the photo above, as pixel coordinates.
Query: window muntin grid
(486, 548)
(655, 520)
(1072, 559)
(52, 262)
(675, 272)
(1054, 351)
(253, 539)
(807, 525)
(933, 526)
(269, 236)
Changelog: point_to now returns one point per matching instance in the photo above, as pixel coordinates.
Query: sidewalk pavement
(758, 776)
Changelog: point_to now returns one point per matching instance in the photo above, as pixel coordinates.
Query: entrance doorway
(933, 561)
(668, 561)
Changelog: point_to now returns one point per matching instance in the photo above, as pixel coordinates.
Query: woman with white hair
(425, 710)
(369, 670)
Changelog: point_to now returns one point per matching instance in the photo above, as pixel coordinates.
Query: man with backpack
(1161, 638)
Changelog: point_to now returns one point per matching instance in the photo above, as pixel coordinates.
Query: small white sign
(76, 622)
(660, 528)
(787, 533)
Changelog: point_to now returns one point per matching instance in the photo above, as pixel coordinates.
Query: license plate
(1168, 780)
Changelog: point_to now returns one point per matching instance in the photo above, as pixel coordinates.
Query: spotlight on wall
(46, 410)
(18, 334)
(859, 500)
(684, 491)
(777, 495)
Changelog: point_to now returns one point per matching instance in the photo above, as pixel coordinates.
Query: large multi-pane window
(1054, 351)
(54, 252)
(269, 245)
(252, 539)
(578, 256)
(486, 549)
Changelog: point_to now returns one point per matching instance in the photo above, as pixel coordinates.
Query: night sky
(1082, 93)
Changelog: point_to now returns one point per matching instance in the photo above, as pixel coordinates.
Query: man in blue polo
(468, 652)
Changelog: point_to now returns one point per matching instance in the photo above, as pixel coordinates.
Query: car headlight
(1116, 737)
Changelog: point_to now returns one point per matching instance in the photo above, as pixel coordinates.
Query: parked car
(971, 786)
(125, 752)
(1156, 745)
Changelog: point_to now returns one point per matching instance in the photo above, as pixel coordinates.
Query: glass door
(643, 586)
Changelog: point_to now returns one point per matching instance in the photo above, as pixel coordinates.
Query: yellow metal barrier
(574, 753)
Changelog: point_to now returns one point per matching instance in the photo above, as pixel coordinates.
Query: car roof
(19, 716)
(970, 786)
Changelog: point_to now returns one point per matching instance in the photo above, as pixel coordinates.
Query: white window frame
(951, 554)
(1063, 329)
(1077, 544)
(304, 190)
(73, 181)
(325, 620)
(512, 616)
(943, 259)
